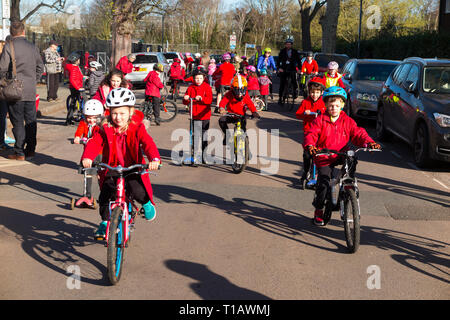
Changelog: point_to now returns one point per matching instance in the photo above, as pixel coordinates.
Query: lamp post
(359, 29)
(162, 32)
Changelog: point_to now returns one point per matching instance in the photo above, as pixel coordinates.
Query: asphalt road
(219, 235)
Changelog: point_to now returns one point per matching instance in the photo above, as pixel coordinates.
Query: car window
(170, 55)
(397, 72)
(347, 67)
(351, 69)
(403, 73)
(162, 58)
(413, 76)
(373, 72)
(436, 79)
(145, 58)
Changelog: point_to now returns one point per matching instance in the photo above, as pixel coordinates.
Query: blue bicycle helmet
(334, 91)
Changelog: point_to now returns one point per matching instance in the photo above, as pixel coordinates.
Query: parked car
(324, 58)
(363, 79)
(144, 64)
(172, 55)
(414, 105)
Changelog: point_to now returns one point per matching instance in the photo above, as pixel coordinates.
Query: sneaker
(9, 140)
(5, 146)
(101, 231)
(149, 211)
(318, 217)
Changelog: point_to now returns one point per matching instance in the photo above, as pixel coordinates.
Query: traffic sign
(232, 42)
(6, 12)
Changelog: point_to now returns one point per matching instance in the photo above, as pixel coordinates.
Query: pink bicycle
(123, 212)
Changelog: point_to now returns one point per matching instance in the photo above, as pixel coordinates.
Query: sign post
(6, 14)
(232, 41)
(250, 46)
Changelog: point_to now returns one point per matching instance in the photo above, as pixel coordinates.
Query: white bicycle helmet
(95, 64)
(93, 107)
(120, 97)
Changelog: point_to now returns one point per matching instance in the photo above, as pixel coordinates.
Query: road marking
(441, 183)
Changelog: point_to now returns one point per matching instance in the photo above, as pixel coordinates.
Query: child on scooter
(313, 103)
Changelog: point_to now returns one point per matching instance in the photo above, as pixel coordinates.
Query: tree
(329, 23)
(57, 5)
(308, 10)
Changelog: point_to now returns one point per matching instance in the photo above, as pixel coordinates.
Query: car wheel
(421, 146)
(381, 133)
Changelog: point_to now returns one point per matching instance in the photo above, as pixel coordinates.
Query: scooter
(190, 159)
(84, 201)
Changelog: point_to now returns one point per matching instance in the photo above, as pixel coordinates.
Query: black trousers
(3, 113)
(76, 94)
(283, 81)
(133, 186)
(22, 115)
(307, 162)
(225, 120)
(52, 85)
(156, 103)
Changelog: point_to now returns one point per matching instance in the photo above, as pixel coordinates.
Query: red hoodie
(153, 84)
(252, 83)
(325, 134)
(124, 65)
(75, 76)
(176, 72)
(313, 106)
(237, 106)
(201, 109)
(225, 73)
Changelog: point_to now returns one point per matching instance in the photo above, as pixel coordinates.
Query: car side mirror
(410, 86)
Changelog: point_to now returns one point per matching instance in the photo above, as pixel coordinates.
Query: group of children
(116, 130)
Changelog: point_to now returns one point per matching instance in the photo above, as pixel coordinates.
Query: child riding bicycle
(176, 76)
(332, 130)
(236, 101)
(313, 103)
(122, 141)
(153, 86)
(332, 78)
(309, 68)
(76, 84)
(201, 92)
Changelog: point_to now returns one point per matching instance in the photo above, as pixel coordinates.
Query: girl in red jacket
(153, 85)
(115, 79)
(332, 130)
(201, 92)
(252, 80)
(236, 101)
(313, 103)
(264, 87)
(122, 141)
(75, 83)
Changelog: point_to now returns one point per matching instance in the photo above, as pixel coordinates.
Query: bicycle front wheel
(351, 220)
(115, 252)
(259, 104)
(241, 154)
(169, 111)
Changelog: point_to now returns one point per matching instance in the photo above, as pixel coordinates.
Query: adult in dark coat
(22, 113)
(288, 62)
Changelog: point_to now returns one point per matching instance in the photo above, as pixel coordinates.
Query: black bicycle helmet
(73, 57)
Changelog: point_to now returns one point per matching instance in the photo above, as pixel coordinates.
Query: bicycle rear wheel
(116, 246)
(259, 104)
(241, 154)
(351, 221)
(169, 111)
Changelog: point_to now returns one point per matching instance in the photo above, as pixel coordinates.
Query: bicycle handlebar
(238, 115)
(350, 153)
(120, 169)
(82, 141)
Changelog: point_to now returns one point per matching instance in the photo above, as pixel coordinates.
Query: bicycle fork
(119, 202)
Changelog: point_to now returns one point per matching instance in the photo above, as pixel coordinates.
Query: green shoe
(149, 211)
(101, 231)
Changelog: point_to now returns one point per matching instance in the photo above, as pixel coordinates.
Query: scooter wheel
(72, 204)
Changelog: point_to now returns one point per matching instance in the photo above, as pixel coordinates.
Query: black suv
(414, 104)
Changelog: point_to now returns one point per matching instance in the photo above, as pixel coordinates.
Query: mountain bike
(168, 109)
(123, 212)
(343, 196)
(289, 93)
(241, 152)
(75, 105)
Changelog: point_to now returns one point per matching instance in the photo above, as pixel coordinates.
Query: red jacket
(124, 65)
(252, 83)
(336, 76)
(225, 73)
(309, 68)
(235, 106)
(75, 76)
(176, 72)
(325, 134)
(264, 85)
(313, 106)
(102, 93)
(153, 84)
(201, 109)
(83, 129)
(137, 140)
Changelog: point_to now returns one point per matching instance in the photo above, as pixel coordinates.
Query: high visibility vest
(331, 82)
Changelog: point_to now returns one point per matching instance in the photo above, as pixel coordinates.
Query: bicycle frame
(122, 203)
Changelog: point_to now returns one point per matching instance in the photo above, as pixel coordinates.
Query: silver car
(144, 64)
(363, 79)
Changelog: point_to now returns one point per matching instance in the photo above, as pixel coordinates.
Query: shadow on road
(210, 285)
(54, 241)
(405, 248)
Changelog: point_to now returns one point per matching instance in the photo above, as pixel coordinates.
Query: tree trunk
(15, 10)
(122, 27)
(306, 30)
(329, 24)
